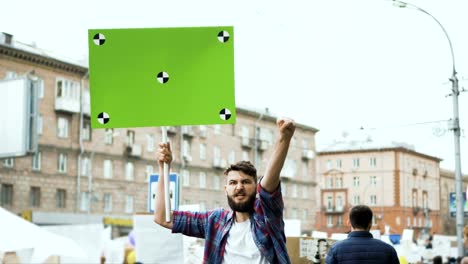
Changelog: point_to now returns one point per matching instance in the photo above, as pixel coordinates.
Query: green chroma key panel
(161, 76)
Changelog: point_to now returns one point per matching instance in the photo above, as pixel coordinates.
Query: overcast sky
(336, 65)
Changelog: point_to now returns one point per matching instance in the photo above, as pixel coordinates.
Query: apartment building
(447, 196)
(400, 184)
(84, 175)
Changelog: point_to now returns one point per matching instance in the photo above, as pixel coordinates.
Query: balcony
(67, 105)
(219, 163)
(246, 143)
(263, 145)
(416, 210)
(133, 150)
(187, 158)
(171, 130)
(307, 154)
(333, 209)
(187, 131)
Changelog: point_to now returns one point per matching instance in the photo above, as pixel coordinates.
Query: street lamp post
(455, 126)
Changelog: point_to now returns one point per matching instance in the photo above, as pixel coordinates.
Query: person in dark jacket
(360, 246)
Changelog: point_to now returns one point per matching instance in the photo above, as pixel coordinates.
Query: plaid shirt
(266, 223)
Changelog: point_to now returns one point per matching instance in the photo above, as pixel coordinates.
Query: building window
(9, 163)
(62, 163)
(356, 181)
(415, 198)
(6, 195)
(202, 151)
(203, 132)
(108, 136)
(329, 202)
(373, 199)
(294, 190)
(356, 200)
(329, 182)
(373, 162)
(129, 204)
(129, 171)
(61, 198)
(39, 125)
(266, 135)
(305, 169)
(216, 153)
(339, 203)
(339, 222)
(84, 201)
(232, 157)
(62, 127)
(245, 136)
(40, 88)
(202, 177)
(356, 163)
(185, 178)
(130, 137)
(339, 163)
(245, 155)
(150, 142)
(36, 161)
(108, 169)
(107, 202)
(186, 148)
(329, 164)
(304, 192)
(294, 213)
(35, 197)
(85, 166)
(329, 221)
(373, 181)
(425, 200)
(305, 144)
(67, 89)
(290, 167)
(339, 182)
(216, 182)
(86, 130)
(149, 171)
(284, 188)
(217, 129)
(305, 215)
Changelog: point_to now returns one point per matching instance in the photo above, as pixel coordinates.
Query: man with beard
(253, 231)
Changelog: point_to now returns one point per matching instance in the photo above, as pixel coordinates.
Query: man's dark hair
(437, 260)
(360, 216)
(244, 166)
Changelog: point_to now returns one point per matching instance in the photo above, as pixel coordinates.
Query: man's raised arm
(271, 179)
(164, 155)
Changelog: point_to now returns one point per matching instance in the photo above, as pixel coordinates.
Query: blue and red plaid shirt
(266, 223)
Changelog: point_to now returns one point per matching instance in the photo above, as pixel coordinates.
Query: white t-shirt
(240, 246)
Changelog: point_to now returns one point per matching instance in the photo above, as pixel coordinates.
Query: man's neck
(241, 217)
(358, 229)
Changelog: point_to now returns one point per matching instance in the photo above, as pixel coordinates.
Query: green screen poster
(161, 76)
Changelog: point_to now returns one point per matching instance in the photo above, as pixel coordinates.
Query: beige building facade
(399, 184)
(447, 188)
(103, 175)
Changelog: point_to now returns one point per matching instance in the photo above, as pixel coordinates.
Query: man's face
(241, 190)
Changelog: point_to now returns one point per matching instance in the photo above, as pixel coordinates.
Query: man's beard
(242, 207)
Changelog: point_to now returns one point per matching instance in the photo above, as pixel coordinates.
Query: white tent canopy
(17, 234)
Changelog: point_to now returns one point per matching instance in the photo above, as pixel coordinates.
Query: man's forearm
(160, 205)
(272, 174)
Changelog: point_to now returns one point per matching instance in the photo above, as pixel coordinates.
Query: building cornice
(389, 149)
(271, 118)
(42, 60)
